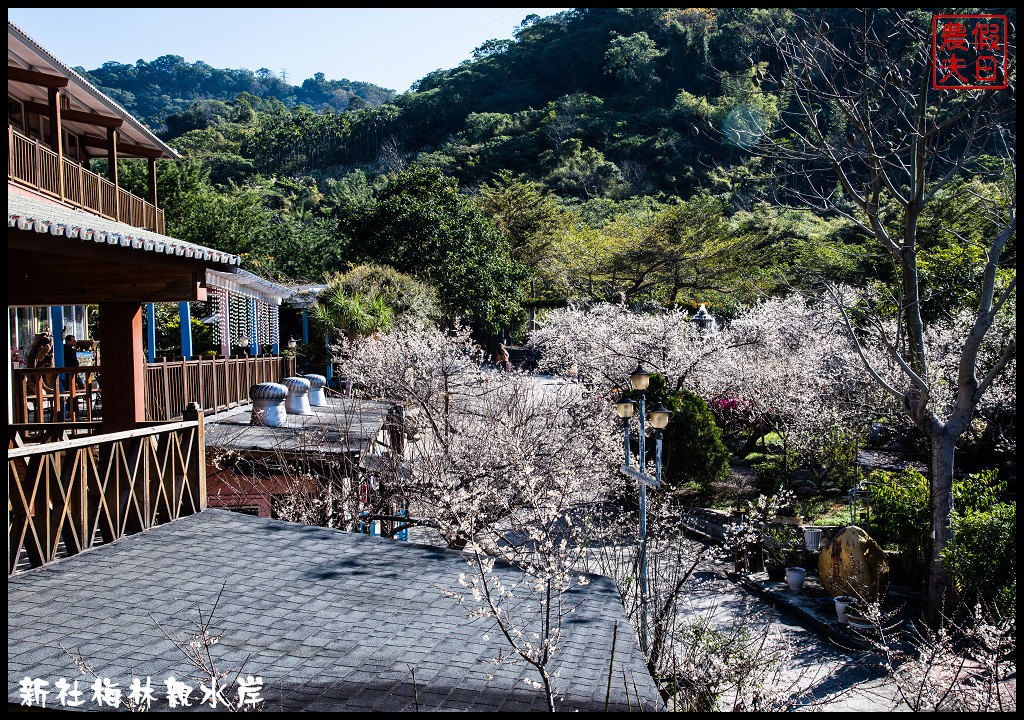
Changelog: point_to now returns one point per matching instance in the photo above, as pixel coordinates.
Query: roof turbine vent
(317, 383)
(268, 404)
(298, 396)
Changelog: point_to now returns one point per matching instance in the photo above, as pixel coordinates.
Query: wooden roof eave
(28, 56)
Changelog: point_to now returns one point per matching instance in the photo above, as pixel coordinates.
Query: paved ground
(829, 668)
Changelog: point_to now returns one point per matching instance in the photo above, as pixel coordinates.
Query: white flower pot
(812, 538)
(795, 578)
(842, 602)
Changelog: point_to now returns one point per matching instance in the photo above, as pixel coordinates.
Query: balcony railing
(65, 497)
(32, 164)
(216, 384)
(44, 395)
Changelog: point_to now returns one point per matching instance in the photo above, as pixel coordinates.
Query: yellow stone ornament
(854, 564)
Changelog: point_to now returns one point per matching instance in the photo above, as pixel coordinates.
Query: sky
(389, 47)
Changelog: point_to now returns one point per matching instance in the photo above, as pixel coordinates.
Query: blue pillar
(305, 326)
(57, 330)
(402, 534)
(150, 332)
(185, 317)
(276, 349)
(254, 330)
(329, 370)
(275, 330)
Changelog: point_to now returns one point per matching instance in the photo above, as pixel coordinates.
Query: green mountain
(595, 102)
(154, 91)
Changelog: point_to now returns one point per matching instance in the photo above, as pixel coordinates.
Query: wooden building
(77, 238)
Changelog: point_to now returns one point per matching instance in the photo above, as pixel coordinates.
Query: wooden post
(202, 383)
(56, 138)
(220, 365)
(197, 463)
(186, 396)
(112, 169)
(167, 388)
(124, 399)
(152, 184)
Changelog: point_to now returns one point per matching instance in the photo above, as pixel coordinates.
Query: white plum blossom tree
(788, 360)
(505, 467)
(603, 342)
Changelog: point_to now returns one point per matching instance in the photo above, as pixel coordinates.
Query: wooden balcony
(41, 402)
(67, 496)
(32, 164)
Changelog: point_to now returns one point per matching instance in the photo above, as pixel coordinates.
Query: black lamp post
(625, 408)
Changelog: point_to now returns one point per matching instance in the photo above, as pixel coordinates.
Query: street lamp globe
(658, 417)
(640, 378)
(624, 407)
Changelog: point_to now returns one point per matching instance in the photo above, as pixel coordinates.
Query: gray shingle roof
(27, 213)
(330, 620)
(344, 425)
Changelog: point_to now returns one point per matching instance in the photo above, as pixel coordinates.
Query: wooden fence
(67, 496)
(214, 384)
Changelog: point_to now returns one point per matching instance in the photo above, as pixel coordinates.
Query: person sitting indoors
(40, 355)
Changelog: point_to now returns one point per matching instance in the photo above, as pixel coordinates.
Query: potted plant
(782, 548)
(743, 539)
(845, 604)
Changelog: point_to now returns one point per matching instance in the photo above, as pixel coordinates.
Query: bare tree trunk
(943, 446)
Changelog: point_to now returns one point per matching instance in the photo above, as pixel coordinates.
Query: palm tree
(355, 315)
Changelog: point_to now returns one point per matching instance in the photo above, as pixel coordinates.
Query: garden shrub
(982, 555)
(772, 474)
(900, 516)
(169, 336)
(899, 502)
(694, 454)
(978, 491)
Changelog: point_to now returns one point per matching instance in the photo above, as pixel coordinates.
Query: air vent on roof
(268, 404)
(298, 396)
(316, 389)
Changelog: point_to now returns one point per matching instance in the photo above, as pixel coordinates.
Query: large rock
(854, 564)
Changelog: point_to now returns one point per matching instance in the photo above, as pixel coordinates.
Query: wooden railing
(32, 164)
(49, 395)
(216, 384)
(21, 434)
(66, 497)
